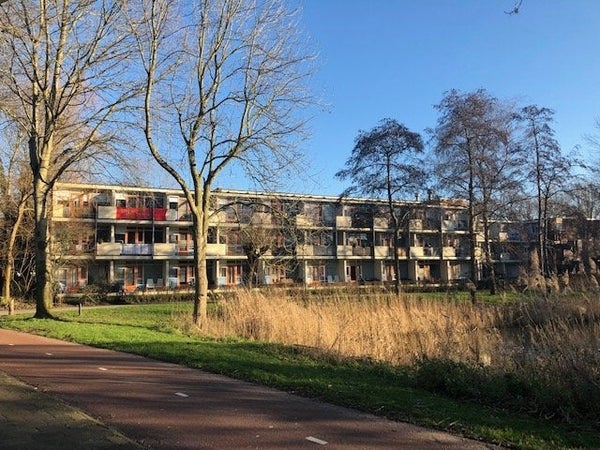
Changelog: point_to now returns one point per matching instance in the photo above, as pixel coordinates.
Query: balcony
(415, 225)
(343, 222)
(302, 220)
(261, 218)
(136, 249)
(120, 213)
(216, 249)
(75, 212)
(381, 223)
(425, 252)
(314, 250)
(344, 251)
(172, 215)
(164, 249)
(455, 225)
(108, 249)
(118, 249)
(235, 250)
(158, 214)
(107, 212)
(158, 249)
(449, 252)
(383, 251)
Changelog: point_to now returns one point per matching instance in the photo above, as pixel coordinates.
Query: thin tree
(224, 85)
(583, 196)
(475, 160)
(548, 168)
(384, 163)
(63, 79)
(15, 197)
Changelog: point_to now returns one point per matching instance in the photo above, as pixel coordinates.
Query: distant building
(140, 238)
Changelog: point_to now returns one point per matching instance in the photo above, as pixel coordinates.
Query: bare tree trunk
(44, 289)
(472, 233)
(200, 232)
(10, 255)
(488, 256)
(397, 281)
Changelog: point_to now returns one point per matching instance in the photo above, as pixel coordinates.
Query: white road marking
(316, 441)
(181, 394)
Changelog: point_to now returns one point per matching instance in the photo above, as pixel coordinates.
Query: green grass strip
(150, 330)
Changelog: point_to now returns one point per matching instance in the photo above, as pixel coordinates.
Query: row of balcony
(103, 212)
(380, 251)
(120, 213)
(340, 251)
(257, 218)
(156, 250)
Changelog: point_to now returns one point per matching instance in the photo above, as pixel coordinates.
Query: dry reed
(378, 327)
(551, 345)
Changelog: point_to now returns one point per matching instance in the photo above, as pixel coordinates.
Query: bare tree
(225, 82)
(582, 196)
(15, 199)
(476, 161)
(549, 170)
(384, 163)
(63, 80)
(254, 232)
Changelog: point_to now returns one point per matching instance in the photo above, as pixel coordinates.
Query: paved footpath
(55, 394)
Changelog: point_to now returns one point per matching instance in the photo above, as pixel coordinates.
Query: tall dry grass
(551, 344)
(380, 327)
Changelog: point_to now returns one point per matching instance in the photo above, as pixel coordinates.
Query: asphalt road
(166, 406)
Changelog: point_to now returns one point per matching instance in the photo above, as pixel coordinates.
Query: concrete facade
(140, 238)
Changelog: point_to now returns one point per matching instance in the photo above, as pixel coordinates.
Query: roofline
(286, 195)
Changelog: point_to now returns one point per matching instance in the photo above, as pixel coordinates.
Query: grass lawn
(154, 331)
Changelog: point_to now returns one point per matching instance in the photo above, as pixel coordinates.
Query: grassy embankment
(523, 372)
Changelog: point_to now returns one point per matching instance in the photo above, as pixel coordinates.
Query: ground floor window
(316, 273)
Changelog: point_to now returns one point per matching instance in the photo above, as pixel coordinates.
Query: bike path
(81, 393)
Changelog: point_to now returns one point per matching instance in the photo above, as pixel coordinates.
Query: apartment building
(135, 238)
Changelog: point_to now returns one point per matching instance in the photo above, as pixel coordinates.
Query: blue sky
(396, 58)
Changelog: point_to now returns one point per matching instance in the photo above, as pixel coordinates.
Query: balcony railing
(315, 250)
(455, 225)
(141, 213)
(121, 213)
(415, 224)
(216, 249)
(302, 220)
(381, 223)
(161, 249)
(343, 222)
(157, 249)
(136, 249)
(235, 250)
(349, 250)
(383, 251)
(118, 249)
(75, 212)
(424, 252)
